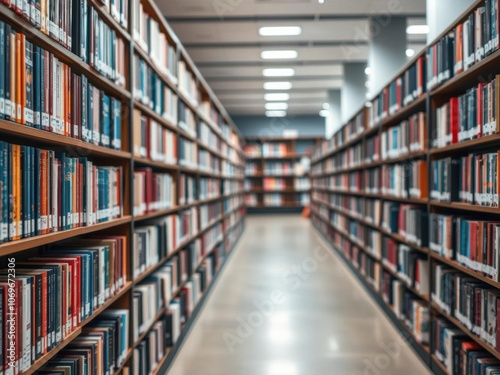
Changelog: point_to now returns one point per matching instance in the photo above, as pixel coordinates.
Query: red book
(454, 126)
(473, 240)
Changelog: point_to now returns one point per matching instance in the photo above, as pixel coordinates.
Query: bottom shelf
(167, 360)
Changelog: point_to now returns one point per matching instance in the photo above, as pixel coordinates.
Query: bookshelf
(169, 128)
(276, 175)
(408, 241)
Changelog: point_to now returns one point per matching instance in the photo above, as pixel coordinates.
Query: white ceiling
(222, 38)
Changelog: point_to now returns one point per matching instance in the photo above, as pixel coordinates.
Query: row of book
(148, 34)
(411, 266)
(252, 150)
(469, 43)
(472, 243)
(209, 187)
(187, 120)
(407, 220)
(273, 200)
(252, 168)
(101, 348)
(232, 186)
(47, 309)
(402, 91)
(372, 149)
(209, 214)
(187, 189)
(154, 242)
(404, 180)
(44, 191)
(469, 116)
(188, 153)
(274, 183)
(149, 89)
(274, 150)
(78, 27)
(153, 191)
(208, 162)
(458, 353)
(406, 138)
(40, 91)
(188, 83)
(210, 138)
(302, 183)
(278, 168)
(473, 303)
(251, 200)
(350, 158)
(153, 141)
(411, 310)
(233, 203)
(469, 179)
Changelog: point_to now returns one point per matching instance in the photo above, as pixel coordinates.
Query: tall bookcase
(180, 102)
(277, 172)
(414, 227)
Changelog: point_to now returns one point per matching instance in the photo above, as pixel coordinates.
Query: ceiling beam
(312, 17)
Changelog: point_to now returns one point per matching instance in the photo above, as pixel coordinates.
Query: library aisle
(301, 312)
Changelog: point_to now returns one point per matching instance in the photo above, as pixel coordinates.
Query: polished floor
(285, 305)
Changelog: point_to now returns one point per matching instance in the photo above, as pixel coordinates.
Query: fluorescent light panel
(284, 54)
(276, 106)
(324, 113)
(417, 29)
(277, 85)
(275, 113)
(280, 30)
(278, 72)
(276, 97)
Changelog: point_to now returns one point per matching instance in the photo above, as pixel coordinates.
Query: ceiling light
(324, 113)
(275, 113)
(368, 70)
(410, 52)
(321, 1)
(417, 29)
(277, 85)
(368, 104)
(285, 54)
(276, 106)
(274, 97)
(278, 72)
(368, 95)
(326, 105)
(280, 30)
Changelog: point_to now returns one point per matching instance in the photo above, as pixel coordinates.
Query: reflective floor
(285, 305)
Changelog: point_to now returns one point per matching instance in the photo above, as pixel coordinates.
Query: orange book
(459, 63)
(13, 84)
(423, 178)
(21, 83)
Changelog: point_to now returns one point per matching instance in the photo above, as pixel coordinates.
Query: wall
(265, 126)
(441, 13)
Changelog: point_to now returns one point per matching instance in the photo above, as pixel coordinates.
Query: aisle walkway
(321, 322)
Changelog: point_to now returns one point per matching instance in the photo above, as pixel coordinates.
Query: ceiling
(222, 37)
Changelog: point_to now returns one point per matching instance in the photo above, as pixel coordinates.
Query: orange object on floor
(306, 212)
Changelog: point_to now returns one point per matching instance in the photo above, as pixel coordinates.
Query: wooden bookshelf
(290, 152)
(230, 199)
(323, 193)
